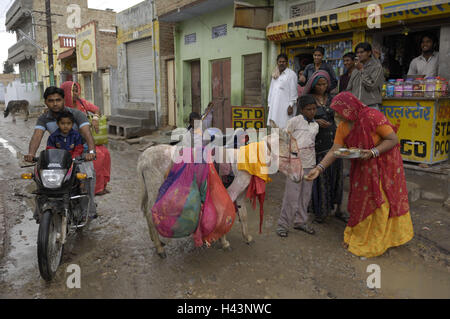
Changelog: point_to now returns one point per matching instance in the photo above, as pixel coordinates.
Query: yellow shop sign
(356, 17)
(423, 128)
(247, 117)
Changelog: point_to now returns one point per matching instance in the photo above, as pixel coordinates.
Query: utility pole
(48, 16)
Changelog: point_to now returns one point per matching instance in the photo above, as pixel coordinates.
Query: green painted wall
(237, 43)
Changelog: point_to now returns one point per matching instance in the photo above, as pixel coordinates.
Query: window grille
(302, 9)
(190, 38)
(219, 31)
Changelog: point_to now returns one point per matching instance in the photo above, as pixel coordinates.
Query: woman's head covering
(312, 81)
(68, 87)
(347, 105)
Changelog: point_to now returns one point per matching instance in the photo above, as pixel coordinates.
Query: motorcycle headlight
(52, 178)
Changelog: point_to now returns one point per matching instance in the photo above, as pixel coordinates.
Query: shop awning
(66, 54)
(353, 17)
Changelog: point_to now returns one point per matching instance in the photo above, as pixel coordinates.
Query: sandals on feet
(282, 232)
(306, 228)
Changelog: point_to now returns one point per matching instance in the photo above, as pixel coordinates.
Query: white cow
(155, 161)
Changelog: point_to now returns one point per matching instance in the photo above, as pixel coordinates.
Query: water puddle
(6, 145)
(22, 257)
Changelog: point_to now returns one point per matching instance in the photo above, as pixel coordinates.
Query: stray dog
(16, 106)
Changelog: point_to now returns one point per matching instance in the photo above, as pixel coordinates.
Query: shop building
(215, 60)
(26, 17)
(145, 69)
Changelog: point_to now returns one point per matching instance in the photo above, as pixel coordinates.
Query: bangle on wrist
(375, 152)
(321, 167)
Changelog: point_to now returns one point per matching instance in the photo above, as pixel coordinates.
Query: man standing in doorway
(349, 64)
(366, 80)
(426, 63)
(282, 93)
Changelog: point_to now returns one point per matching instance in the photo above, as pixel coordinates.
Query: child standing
(297, 195)
(65, 137)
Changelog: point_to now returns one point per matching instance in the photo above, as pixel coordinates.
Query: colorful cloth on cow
(252, 159)
(378, 199)
(102, 164)
(72, 142)
(192, 200)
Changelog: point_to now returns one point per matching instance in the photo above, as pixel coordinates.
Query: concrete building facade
(145, 52)
(216, 61)
(26, 17)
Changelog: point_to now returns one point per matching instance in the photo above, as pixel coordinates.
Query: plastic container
(438, 88)
(418, 87)
(390, 88)
(398, 89)
(444, 88)
(408, 87)
(430, 87)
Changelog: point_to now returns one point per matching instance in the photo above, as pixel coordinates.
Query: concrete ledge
(414, 192)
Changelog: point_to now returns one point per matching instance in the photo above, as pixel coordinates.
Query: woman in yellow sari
(378, 199)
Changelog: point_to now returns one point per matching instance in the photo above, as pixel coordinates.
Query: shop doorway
(106, 93)
(302, 60)
(196, 88)
(221, 93)
(252, 79)
(399, 49)
(171, 92)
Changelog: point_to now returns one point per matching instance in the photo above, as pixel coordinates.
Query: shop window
(190, 38)
(257, 18)
(302, 9)
(219, 31)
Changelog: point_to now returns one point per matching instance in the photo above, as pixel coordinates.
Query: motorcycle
(61, 205)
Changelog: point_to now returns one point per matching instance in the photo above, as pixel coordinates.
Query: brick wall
(59, 25)
(106, 49)
(166, 52)
(106, 19)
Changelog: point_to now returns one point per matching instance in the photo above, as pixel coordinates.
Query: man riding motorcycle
(54, 100)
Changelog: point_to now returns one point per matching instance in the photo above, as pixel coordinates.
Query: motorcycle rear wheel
(49, 245)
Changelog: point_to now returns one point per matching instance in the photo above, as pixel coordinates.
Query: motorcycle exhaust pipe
(78, 196)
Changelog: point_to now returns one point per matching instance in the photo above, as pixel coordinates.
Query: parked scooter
(61, 205)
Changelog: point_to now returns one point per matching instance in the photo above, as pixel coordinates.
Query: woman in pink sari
(102, 164)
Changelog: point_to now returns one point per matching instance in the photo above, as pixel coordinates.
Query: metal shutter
(141, 84)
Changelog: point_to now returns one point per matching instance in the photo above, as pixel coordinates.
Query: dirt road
(118, 260)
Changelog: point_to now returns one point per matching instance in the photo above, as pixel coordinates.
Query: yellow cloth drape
(377, 233)
(252, 158)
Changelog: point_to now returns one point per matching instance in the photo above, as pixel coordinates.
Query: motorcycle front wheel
(49, 245)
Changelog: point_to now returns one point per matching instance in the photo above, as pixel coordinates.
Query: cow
(155, 161)
(15, 106)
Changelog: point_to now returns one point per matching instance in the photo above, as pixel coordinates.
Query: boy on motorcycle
(54, 100)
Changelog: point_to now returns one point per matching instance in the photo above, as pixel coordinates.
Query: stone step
(130, 121)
